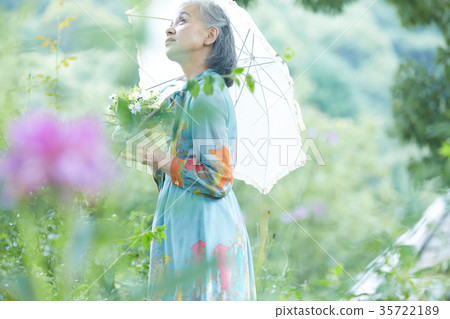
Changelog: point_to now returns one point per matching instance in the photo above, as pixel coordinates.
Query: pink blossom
(285, 218)
(48, 152)
(319, 209)
(300, 212)
(333, 138)
(311, 133)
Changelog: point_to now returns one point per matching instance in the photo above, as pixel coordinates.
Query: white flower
(136, 107)
(109, 110)
(133, 96)
(113, 97)
(146, 95)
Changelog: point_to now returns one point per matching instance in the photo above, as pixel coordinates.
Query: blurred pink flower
(311, 133)
(300, 212)
(319, 209)
(47, 152)
(333, 138)
(297, 213)
(285, 218)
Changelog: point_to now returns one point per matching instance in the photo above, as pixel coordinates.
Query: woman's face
(186, 34)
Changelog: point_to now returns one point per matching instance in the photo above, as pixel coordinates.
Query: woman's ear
(213, 33)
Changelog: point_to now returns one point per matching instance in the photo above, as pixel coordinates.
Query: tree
(326, 6)
(420, 93)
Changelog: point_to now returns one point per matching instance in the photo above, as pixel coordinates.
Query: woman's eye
(183, 20)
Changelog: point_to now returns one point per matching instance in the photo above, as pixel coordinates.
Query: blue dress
(206, 254)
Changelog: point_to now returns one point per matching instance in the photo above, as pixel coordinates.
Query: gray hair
(223, 56)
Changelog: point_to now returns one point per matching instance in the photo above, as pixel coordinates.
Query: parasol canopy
(269, 143)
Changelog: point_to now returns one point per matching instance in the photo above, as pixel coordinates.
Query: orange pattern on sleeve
(223, 154)
(176, 171)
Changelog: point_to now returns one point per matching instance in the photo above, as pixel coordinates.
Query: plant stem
(146, 118)
(263, 238)
(3, 138)
(29, 90)
(57, 54)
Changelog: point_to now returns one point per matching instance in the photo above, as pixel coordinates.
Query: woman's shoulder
(211, 87)
(214, 103)
(213, 77)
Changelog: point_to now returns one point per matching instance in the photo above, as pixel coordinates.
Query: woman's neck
(191, 71)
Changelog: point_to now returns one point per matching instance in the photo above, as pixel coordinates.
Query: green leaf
(159, 233)
(46, 43)
(236, 79)
(123, 113)
(146, 238)
(322, 282)
(50, 84)
(288, 53)
(221, 85)
(445, 149)
(46, 79)
(337, 270)
(208, 88)
(52, 94)
(238, 71)
(250, 82)
(193, 87)
(53, 45)
(66, 22)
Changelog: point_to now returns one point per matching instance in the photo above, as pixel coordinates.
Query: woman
(206, 254)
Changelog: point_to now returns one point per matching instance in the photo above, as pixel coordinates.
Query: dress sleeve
(207, 170)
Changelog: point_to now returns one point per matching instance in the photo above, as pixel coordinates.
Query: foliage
(421, 114)
(245, 3)
(355, 205)
(326, 6)
(331, 7)
(193, 85)
(421, 97)
(397, 277)
(416, 12)
(135, 110)
(54, 44)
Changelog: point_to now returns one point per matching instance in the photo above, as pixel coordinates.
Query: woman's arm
(152, 155)
(161, 158)
(207, 170)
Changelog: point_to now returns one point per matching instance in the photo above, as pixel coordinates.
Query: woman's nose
(170, 30)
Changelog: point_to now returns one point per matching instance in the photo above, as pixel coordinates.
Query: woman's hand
(151, 155)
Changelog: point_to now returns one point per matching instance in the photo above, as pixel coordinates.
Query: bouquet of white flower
(135, 110)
